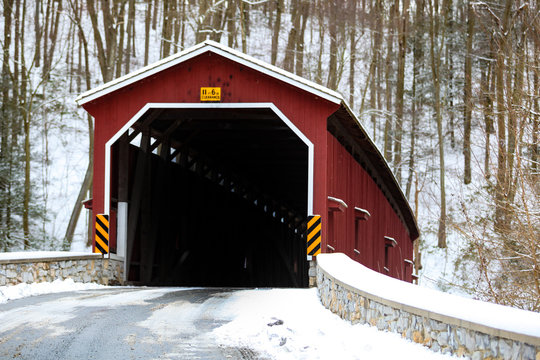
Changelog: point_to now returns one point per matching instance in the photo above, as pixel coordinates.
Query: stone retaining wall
(87, 268)
(438, 332)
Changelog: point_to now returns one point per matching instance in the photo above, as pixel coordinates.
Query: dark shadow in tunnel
(221, 202)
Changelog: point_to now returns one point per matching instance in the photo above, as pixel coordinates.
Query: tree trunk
(76, 212)
(166, 29)
(400, 88)
(276, 31)
(320, 19)
(120, 21)
(418, 59)
(288, 61)
(147, 23)
(486, 85)
(5, 129)
(332, 29)
(154, 17)
(378, 66)
(516, 114)
(51, 37)
(244, 24)
(25, 105)
(106, 72)
(130, 35)
(352, 61)
(535, 146)
(178, 23)
(231, 22)
(501, 191)
(448, 33)
(467, 96)
(86, 186)
(304, 12)
(38, 33)
(217, 22)
(436, 47)
(388, 132)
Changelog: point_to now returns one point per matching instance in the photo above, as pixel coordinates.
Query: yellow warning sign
(210, 94)
(102, 234)
(314, 235)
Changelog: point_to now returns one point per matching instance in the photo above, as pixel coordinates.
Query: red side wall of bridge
(348, 181)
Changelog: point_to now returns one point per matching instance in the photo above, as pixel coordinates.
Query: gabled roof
(356, 134)
(219, 49)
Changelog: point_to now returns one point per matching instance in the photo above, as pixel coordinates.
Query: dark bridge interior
(217, 197)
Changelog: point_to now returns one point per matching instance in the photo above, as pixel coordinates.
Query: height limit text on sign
(210, 94)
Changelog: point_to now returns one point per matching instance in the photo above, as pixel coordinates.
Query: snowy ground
(18, 255)
(24, 290)
(275, 323)
(293, 324)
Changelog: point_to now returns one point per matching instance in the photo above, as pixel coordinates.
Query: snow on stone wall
(80, 268)
(440, 332)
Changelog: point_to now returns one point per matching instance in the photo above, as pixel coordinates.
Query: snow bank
(293, 324)
(20, 255)
(24, 290)
(491, 315)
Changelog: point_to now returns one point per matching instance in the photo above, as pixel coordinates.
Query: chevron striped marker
(314, 235)
(102, 234)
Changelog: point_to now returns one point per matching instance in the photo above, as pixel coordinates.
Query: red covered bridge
(217, 193)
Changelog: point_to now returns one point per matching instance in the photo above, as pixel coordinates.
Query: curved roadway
(117, 323)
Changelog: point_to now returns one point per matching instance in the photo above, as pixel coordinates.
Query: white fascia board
(140, 74)
(219, 49)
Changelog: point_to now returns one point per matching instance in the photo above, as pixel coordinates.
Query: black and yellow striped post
(314, 235)
(102, 234)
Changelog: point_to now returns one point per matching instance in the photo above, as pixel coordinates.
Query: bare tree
(333, 10)
(288, 61)
(276, 31)
(416, 106)
(436, 40)
(352, 50)
(467, 96)
(388, 125)
(107, 53)
(400, 88)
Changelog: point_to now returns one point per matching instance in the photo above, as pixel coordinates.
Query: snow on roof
(219, 49)
(505, 318)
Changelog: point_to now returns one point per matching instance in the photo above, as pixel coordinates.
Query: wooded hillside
(448, 89)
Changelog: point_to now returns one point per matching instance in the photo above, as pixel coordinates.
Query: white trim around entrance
(149, 106)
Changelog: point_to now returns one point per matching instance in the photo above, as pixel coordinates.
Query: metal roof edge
(219, 49)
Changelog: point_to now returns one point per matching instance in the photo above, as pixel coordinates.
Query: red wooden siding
(336, 172)
(238, 83)
(348, 181)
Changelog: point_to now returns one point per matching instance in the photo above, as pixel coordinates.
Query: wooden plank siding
(348, 181)
(239, 85)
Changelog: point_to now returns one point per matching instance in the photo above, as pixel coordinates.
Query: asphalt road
(117, 323)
